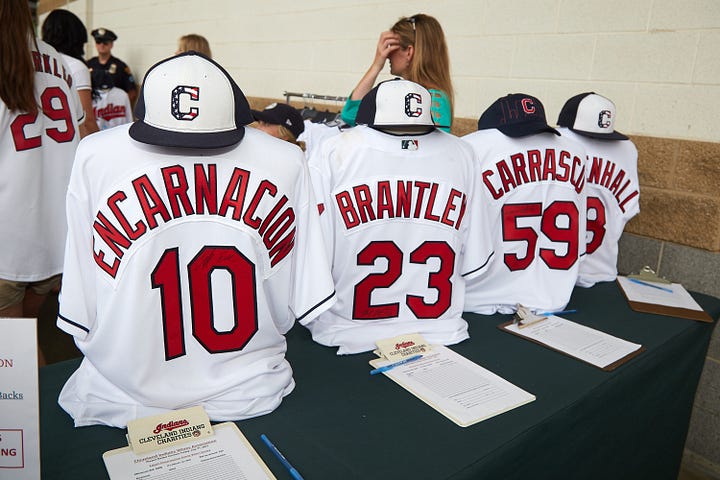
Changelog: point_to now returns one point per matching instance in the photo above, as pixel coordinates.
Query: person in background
(111, 105)
(193, 41)
(281, 121)
(416, 49)
(613, 189)
(39, 116)
(65, 31)
(122, 76)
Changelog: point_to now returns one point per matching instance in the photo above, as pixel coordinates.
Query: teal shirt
(440, 110)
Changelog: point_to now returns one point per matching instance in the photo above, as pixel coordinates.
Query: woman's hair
(17, 87)
(288, 136)
(195, 42)
(65, 31)
(430, 65)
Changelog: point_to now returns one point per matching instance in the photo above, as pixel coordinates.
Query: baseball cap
(281, 114)
(396, 103)
(516, 115)
(590, 115)
(190, 101)
(103, 35)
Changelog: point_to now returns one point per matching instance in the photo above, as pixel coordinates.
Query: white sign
(19, 400)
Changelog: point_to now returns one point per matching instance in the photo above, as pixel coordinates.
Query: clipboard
(607, 368)
(647, 275)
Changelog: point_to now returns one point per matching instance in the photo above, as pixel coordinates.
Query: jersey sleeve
(479, 247)
(313, 290)
(440, 110)
(76, 314)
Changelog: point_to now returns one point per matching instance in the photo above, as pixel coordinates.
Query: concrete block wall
(657, 59)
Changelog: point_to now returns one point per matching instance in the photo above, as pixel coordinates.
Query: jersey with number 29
(396, 216)
(36, 156)
(532, 191)
(184, 270)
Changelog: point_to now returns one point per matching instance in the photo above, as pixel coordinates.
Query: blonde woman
(417, 51)
(194, 42)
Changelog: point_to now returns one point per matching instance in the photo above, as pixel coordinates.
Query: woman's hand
(389, 42)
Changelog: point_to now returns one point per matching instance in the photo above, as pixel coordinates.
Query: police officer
(120, 72)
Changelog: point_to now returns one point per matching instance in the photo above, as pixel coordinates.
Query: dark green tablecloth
(342, 423)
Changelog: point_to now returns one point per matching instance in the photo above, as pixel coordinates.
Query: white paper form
(463, 391)
(227, 455)
(585, 343)
(19, 400)
(679, 298)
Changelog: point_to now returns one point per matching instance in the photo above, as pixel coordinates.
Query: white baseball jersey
(79, 72)
(183, 271)
(315, 134)
(396, 216)
(613, 198)
(112, 108)
(36, 156)
(533, 195)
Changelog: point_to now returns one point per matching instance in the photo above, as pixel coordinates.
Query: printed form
(227, 455)
(584, 343)
(463, 391)
(676, 297)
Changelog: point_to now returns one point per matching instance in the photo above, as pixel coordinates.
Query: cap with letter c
(190, 101)
(590, 115)
(396, 103)
(516, 115)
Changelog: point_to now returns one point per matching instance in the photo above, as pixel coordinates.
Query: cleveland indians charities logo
(193, 93)
(410, 109)
(605, 119)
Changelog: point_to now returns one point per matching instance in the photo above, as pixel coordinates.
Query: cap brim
(142, 132)
(261, 116)
(525, 129)
(601, 136)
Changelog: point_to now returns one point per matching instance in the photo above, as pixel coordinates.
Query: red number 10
(166, 277)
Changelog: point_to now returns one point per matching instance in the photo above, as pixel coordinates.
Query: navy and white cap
(282, 114)
(396, 103)
(190, 101)
(590, 115)
(516, 115)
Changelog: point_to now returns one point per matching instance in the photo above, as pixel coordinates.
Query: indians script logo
(413, 110)
(171, 425)
(194, 95)
(605, 119)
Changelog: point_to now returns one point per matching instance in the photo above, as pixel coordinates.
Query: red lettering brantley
(267, 212)
(409, 199)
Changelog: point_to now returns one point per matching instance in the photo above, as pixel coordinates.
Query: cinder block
(607, 16)
(669, 14)
(696, 269)
(676, 217)
(537, 55)
(656, 161)
(636, 252)
(708, 391)
(704, 434)
(707, 68)
(519, 16)
(698, 167)
(665, 57)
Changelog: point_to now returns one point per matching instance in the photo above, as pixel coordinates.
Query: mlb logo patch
(410, 144)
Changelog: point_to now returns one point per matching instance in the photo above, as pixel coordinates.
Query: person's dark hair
(16, 66)
(65, 31)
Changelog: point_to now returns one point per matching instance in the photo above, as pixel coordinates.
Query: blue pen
(640, 282)
(396, 364)
(559, 312)
(294, 473)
